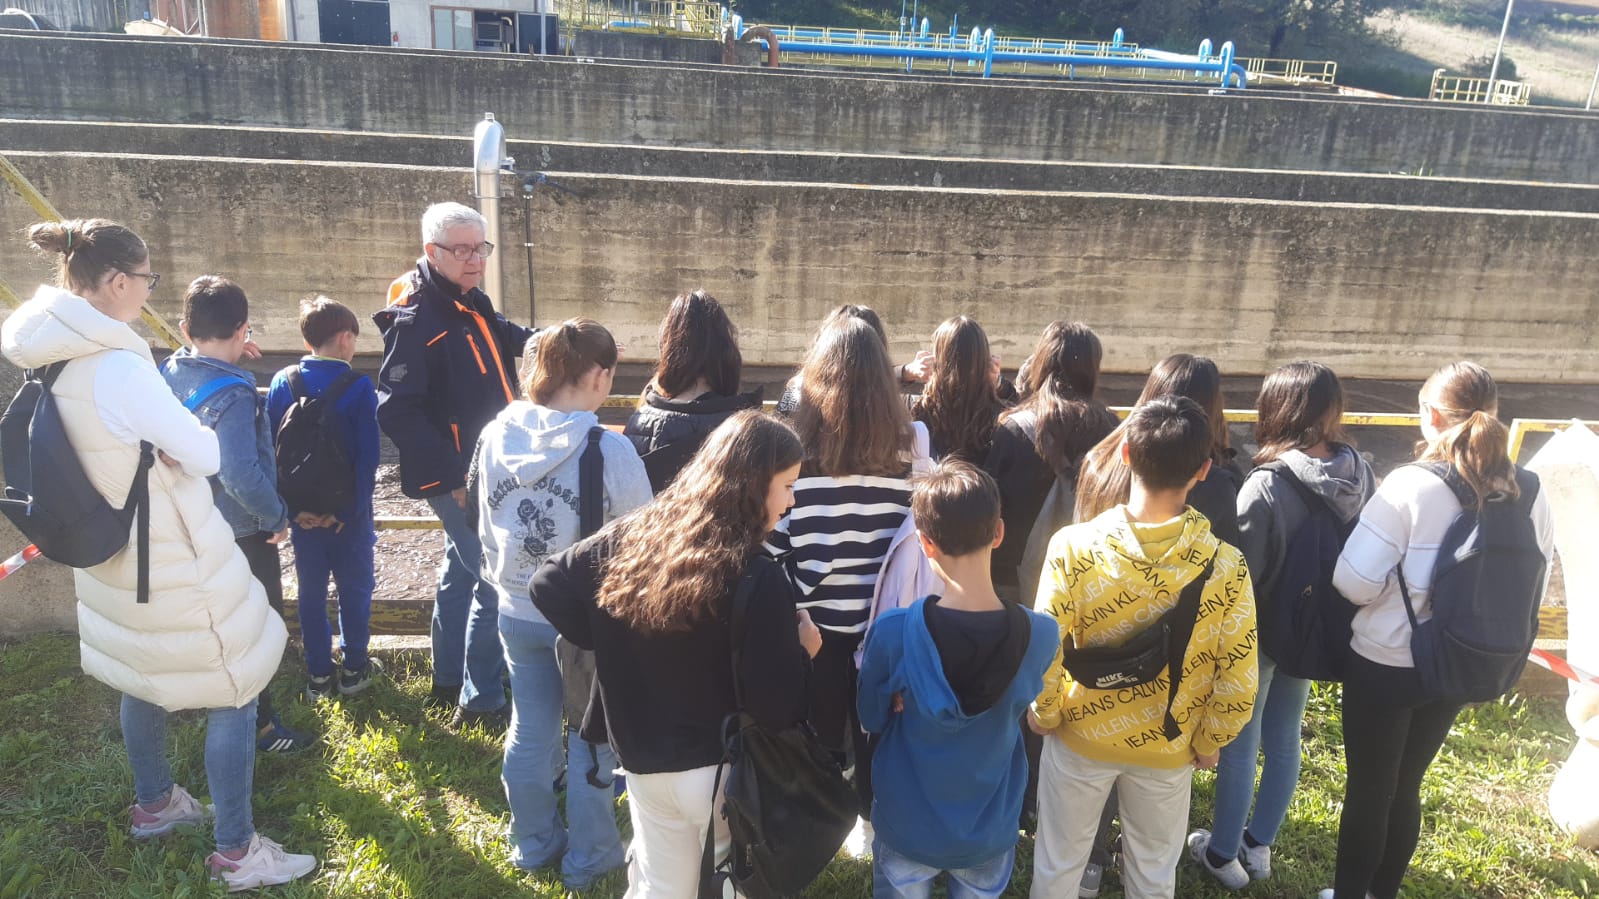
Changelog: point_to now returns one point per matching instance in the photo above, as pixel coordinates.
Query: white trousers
(1071, 795)
(669, 812)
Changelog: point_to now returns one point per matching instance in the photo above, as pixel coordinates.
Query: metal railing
(1461, 89)
(1322, 71)
(657, 16)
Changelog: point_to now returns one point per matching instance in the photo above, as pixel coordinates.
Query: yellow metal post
(31, 194)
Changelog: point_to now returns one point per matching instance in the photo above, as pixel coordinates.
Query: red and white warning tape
(1562, 667)
(9, 566)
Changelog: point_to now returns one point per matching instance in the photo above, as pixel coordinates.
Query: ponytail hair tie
(569, 331)
(68, 250)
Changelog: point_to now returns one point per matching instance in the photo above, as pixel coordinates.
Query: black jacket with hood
(448, 369)
(667, 432)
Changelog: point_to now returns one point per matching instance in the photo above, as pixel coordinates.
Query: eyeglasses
(464, 251)
(151, 279)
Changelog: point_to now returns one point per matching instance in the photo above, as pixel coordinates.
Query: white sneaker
(1093, 876)
(1256, 860)
(181, 808)
(264, 864)
(1231, 875)
(859, 842)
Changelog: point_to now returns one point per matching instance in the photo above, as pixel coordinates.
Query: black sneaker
(279, 738)
(353, 682)
(319, 687)
(492, 721)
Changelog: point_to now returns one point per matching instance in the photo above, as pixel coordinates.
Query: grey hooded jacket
(1270, 510)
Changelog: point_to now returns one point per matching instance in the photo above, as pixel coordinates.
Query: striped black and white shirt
(838, 534)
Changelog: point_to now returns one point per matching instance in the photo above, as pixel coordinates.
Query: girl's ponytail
(1475, 442)
(563, 354)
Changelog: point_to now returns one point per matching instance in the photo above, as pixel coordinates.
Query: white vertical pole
(1593, 88)
(1493, 74)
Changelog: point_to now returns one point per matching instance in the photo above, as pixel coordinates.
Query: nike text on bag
(788, 804)
(1305, 624)
(315, 471)
(1486, 588)
(1155, 650)
(49, 497)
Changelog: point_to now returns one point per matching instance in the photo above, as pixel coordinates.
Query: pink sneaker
(181, 808)
(264, 864)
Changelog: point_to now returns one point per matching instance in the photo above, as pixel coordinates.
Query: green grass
(395, 805)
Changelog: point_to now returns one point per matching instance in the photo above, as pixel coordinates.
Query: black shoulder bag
(1155, 649)
(788, 804)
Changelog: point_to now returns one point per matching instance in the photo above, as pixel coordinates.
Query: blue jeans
(466, 647)
(347, 556)
(532, 764)
(896, 877)
(1274, 727)
(229, 763)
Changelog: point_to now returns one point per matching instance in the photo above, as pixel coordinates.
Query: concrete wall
(622, 45)
(437, 93)
(1378, 292)
(790, 167)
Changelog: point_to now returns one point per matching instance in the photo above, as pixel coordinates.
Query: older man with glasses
(448, 368)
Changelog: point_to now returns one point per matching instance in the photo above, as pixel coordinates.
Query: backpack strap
(213, 387)
(296, 382)
(1186, 616)
(737, 612)
(591, 485)
(139, 499)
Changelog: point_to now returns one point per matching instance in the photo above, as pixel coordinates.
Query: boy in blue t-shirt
(945, 682)
(340, 543)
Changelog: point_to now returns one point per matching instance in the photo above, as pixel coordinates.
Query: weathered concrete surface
(658, 48)
(107, 78)
(40, 597)
(1376, 291)
(771, 165)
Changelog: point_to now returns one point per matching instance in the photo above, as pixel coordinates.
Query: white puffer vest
(207, 638)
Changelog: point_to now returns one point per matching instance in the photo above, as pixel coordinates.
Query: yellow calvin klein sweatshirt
(1102, 584)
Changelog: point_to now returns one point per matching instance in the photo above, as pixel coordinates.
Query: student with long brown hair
(913, 372)
(852, 497)
(1104, 481)
(1392, 727)
(1046, 436)
(1301, 406)
(694, 389)
(527, 488)
(651, 595)
(960, 404)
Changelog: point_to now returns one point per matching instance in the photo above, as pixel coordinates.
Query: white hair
(441, 217)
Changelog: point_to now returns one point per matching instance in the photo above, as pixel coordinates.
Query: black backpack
(788, 805)
(50, 498)
(1486, 588)
(315, 471)
(1306, 625)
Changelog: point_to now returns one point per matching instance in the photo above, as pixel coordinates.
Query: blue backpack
(1486, 588)
(1306, 625)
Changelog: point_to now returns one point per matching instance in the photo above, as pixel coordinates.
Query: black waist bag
(1156, 650)
(50, 498)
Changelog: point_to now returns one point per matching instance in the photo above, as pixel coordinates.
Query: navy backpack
(1306, 625)
(1486, 588)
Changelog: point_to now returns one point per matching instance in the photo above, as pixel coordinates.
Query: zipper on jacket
(494, 349)
(455, 429)
(473, 343)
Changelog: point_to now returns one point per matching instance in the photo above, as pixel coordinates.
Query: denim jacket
(246, 489)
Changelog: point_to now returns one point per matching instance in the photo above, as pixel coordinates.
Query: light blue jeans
(229, 763)
(466, 646)
(590, 844)
(1274, 727)
(896, 877)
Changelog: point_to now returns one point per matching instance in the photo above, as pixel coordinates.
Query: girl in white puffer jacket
(207, 639)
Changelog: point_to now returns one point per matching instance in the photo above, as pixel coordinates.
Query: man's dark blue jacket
(448, 368)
